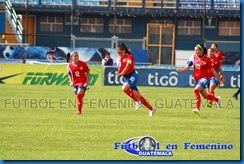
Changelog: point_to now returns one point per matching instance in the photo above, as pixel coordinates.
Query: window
(189, 27)
(229, 28)
(91, 25)
(122, 26)
(51, 24)
(165, 21)
(69, 17)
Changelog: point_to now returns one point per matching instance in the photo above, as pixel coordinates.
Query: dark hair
(202, 48)
(68, 57)
(123, 47)
(211, 49)
(216, 45)
(103, 51)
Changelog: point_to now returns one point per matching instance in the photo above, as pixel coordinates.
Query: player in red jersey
(201, 65)
(217, 53)
(216, 64)
(235, 95)
(79, 73)
(130, 77)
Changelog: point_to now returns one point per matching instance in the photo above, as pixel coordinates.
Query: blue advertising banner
(166, 78)
(59, 53)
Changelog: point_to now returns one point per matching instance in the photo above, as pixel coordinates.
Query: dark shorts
(76, 88)
(132, 80)
(203, 82)
(214, 80)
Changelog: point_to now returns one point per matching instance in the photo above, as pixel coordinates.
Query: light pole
(115, 20)
(26, 22)
(71, 26)
(204, 18)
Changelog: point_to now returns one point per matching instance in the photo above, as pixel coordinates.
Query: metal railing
(130, 3)
(14, 21)
(107, 42)
(163, 4)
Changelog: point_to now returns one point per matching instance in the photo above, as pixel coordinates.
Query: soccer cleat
(78, 112)
(196, 111)
(235, 96)
(218, 103)
(137, 105)
(151, 112)
(209, 105)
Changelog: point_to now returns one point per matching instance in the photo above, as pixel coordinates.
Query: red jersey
(78, 73)
(219, 55)
(216, 64)
(201, 67)
(128, 58)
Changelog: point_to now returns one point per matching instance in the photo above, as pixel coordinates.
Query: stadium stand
(220, 3)
(67, 2)
(57, 2)
(231, 4)
(54, 28)
(47, 2)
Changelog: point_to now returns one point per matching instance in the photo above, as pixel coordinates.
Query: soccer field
(39, 122)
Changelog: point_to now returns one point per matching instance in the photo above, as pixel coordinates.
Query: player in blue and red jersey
(217, 53)
(79, 73)
(130, 77)
(201, 66)
(216, 64)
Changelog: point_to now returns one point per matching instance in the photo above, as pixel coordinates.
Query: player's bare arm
(184, 69)
(221, 74)
(217, 76)
(128, 64)
(87, 78)
(70, 81)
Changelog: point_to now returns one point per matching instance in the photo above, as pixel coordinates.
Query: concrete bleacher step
(9, 36)
(2, 40)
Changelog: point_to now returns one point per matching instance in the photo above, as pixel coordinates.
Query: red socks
(79, 98)
(212, 97)
(197, 98)
(211, 101)
(145, 103)
(131, 95)
(129, 92)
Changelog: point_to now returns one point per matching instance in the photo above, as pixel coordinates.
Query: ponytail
(122, 46)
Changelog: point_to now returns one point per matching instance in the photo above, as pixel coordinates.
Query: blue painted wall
(2, 24)
(138, 31)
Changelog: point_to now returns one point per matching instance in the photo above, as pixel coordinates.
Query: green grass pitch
(39, 122)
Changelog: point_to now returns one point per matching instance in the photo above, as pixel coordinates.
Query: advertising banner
(28, 74)
(56, 54)
(36, 74)
(166, 78)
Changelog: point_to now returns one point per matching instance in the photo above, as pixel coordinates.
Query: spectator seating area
(190, 4)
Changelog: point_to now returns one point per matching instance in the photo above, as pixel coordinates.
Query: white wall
(182, 56)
